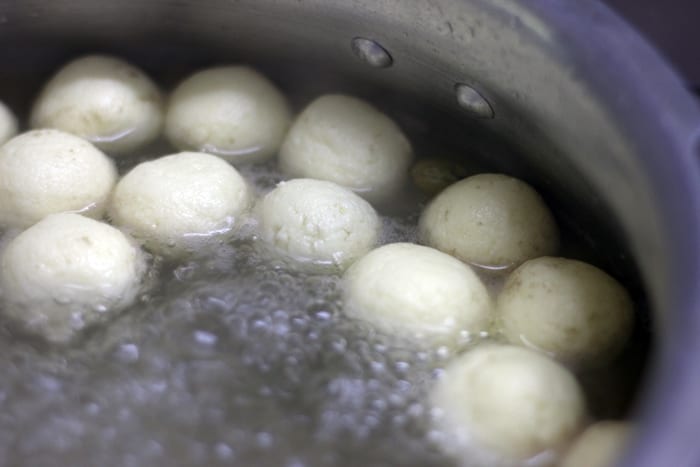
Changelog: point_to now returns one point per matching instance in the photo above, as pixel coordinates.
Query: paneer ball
(44, 172)
(103, 99)
(417, 293)
(318, 222)
(349, 142)
(601, 445)
(490, 220)
(432, 175)
(8, 123)
(179, 202)
(231, 111)
(508, 402)
(567, 309)
(67, 272)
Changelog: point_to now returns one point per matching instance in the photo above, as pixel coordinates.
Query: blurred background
(673, 26)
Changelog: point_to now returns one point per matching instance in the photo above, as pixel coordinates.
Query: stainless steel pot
(562, 93)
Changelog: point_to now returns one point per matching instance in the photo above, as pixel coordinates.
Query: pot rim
(662, 117)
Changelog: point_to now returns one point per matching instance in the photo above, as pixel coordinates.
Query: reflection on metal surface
(371, 52)
(473, 102)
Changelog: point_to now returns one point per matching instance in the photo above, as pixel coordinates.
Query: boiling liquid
(234, 358)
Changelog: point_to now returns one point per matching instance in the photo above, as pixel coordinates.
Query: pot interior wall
(548, 127)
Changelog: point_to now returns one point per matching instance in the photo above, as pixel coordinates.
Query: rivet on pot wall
(470, 100)
(371, 52)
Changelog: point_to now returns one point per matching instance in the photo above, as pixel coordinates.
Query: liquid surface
(234, 358)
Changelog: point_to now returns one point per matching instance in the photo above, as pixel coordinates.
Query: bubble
(264, 440)
(223, 451)
(205, 338)
(127, 353)
(233, 358)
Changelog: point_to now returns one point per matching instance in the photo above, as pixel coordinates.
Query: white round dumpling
(349, 142)
(8, 123)
(318, 222)
(490, 220)
(508, 403)
(67, 272)
(231, 111)
(179, 202)
(44, 172)
(567, 309)
(103, 99)
(417, 293)
(601, 445)
(434, 174)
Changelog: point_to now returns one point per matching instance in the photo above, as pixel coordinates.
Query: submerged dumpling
(8, 123)
(568, 309)
(67, 272)
(347, 141)
(180, 202)
(417, 293)
(318, 222)
(231, 111)
(45, 172)
(601, 445)
(508, 402)
(490, 220)
(103, 99)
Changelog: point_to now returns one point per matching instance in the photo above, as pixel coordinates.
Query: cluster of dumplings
(79, 234)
